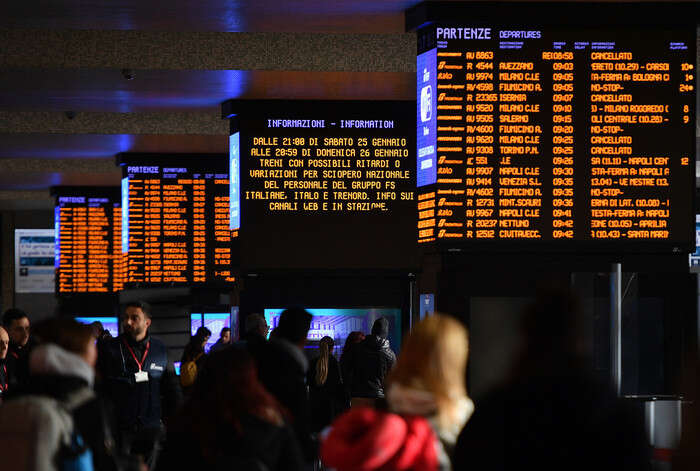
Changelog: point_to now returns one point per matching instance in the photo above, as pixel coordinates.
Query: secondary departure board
(175, 224)
(553, 136)
(324, 184)
(88, 233)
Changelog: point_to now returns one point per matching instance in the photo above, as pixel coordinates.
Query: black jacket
(566, 421)
(138, 405)
(17, 362)
(282, 369)
(367, 365)
(327, 400)
(260, 446)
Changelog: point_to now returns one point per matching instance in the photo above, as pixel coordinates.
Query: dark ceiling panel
(44, 180)
(165, 90)
(361, 16)
(89, 146)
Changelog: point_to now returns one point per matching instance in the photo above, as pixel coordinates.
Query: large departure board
(323, 184)
(175, 223)
(571, 137)
(88, 255)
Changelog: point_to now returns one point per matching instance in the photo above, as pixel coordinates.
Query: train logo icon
(426, 103)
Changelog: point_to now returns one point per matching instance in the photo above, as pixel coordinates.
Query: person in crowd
(58, 399)
(326, 392)
(193, 356)
(230, 422)
(224, 340)
(368, 364)
(282, 368)
(254, 334)
(136, 376)
(429, 382)
(351, 341)
(4, 345)
(17, 325)
(551, 413)
(100, 332)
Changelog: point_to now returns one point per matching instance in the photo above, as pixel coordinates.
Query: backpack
(188, 372)
(37, 433)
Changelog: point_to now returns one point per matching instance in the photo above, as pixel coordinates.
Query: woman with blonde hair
(326, 393)
(426, 401)
(430, 378)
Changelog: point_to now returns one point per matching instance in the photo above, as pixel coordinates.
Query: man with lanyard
(16, 323)
(136, 376)
(4, 345)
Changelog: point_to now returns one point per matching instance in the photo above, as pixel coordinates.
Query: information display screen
(324, 184)
(175, 226)
(88, 257)
(214, 321)
(557, 136)
(110, 323)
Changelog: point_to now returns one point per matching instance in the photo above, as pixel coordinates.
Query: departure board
(175, 223)
(323, 184)
(88, 256)
(566, 137)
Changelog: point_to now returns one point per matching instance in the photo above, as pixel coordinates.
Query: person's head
(137, 320)
(17, 325)
(255, 324)
(228, 384)
(225, 335)
(380, 328)
(434, 359)
(70, 335)
(294, 325)
(4, 343)
(201, 337)
(325, 349)
(353, 338)
(97, 329)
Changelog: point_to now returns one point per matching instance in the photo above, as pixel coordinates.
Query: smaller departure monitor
(110, 323)
(337, 323)
(214, 321)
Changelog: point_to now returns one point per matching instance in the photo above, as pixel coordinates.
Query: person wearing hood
(425, 408)
(140, 381)
(368, 365)
(61, 368)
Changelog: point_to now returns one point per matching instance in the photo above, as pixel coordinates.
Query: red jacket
(365, 439)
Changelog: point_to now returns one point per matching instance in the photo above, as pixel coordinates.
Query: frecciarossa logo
(464, 33)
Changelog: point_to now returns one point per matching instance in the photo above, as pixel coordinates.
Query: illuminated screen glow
(334, 180)
(337, 323)
(235, 182)
(212, 321)
(178, 219)
(111, 324)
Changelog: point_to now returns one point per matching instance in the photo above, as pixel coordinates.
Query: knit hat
(380, 328)
(365, 439)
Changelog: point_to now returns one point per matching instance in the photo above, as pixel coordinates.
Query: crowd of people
(73, 395)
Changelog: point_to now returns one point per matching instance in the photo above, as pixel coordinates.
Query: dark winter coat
(282, 369)
(260, 446)
(367, 365)
(328, 399)
(138, 405)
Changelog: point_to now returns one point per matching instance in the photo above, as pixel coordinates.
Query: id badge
(141, 376)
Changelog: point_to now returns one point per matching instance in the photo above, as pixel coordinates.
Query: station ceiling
(82, 81)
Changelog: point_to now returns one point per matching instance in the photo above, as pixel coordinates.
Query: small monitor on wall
(110, 323)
